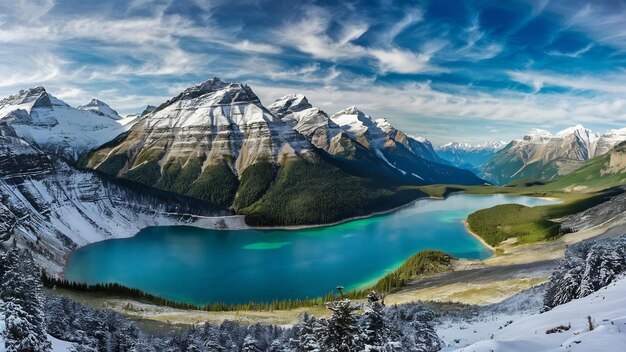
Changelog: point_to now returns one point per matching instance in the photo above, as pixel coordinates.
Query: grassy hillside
(423, 263)
(315, 191)
(528, 224)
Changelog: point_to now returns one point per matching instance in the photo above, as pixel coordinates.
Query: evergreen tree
(342, 333)
(22, 294)
(250, 344)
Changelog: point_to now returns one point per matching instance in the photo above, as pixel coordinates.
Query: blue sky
(449, 70)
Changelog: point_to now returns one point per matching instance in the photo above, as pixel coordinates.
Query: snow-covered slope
(56, 127)
(379, 134)
(542, 155)
(469, 156)
(606, 308)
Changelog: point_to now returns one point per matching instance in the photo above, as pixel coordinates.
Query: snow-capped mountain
(210, 125)
(469, 156)
(56, 127)
(542, 155)
(101, 108)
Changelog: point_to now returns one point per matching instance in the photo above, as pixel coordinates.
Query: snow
(57, 345)
(60, 345)
(607, 308)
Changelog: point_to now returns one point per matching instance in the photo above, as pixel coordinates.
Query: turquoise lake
(202, 266)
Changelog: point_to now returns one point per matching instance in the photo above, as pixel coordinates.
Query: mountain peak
(34, 97)
(217, 93)
(289, 104)
(148, 109)
(101, 108)
(580, 129)
(352, 110)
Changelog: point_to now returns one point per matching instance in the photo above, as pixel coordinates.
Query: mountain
(468, 156)
(56, 127)
(352, 134)
(101, 108)
(601, 172)
(542, 155)
(288, 164)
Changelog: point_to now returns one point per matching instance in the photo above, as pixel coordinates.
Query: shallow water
(202, 266)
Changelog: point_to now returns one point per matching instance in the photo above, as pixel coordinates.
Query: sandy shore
(466, 224)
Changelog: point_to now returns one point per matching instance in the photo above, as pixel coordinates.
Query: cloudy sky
(449, 70)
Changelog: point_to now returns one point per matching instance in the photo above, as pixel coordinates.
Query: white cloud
(309, 35)
(402, 61)
(574, 54)
(420, 102)
(612, 84)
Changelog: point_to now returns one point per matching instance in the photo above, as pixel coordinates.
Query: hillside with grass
(529, 224)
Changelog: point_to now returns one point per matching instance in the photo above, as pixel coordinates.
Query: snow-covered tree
(586, 267)
(22, 296)
(250, 344)
(343, 333)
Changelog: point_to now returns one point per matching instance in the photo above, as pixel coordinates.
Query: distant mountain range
(469, 156)
(542, 155)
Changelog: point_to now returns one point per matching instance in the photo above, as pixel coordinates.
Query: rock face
(469, 156)
(56, 127)
(541, 155)
(214, 123)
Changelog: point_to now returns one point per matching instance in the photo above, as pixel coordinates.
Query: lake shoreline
(343, 221)
(469, 230)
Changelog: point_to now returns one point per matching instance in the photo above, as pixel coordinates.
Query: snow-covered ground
(525, 331)
(57, 345)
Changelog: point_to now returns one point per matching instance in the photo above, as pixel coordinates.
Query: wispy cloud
(310, 35)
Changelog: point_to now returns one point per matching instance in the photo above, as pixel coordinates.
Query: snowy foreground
(607, 308)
